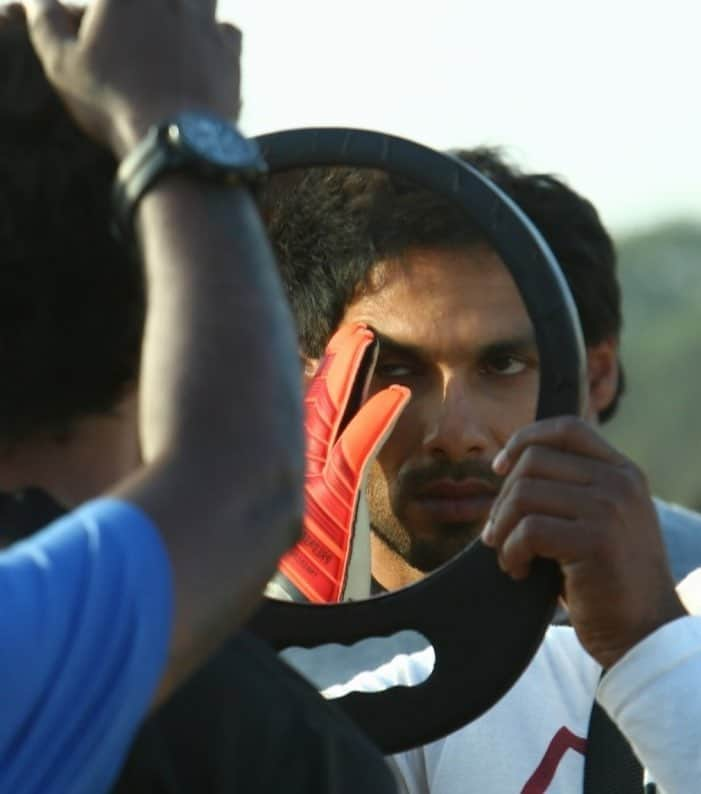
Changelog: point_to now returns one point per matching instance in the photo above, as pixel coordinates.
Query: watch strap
(159, 154)
(136, 173)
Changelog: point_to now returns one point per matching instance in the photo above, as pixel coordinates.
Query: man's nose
(457, 427)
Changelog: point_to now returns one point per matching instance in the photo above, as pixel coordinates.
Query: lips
(450, 501)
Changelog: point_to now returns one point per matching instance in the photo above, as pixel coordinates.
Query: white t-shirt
(533, 740)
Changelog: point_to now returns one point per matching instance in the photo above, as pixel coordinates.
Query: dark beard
(428, 554)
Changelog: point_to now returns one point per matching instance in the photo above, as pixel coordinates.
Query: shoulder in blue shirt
(85, 622)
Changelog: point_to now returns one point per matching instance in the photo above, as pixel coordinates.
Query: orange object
(343, 434)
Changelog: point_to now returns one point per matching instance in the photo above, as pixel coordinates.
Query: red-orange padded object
(336, 461)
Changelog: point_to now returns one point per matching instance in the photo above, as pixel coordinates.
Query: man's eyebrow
(392, 346)
(523, 343)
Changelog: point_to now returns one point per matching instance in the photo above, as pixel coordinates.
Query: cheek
(404, 441)
(516, 409)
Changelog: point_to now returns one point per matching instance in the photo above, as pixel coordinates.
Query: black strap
(610, 766)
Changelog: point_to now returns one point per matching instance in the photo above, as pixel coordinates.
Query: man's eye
(505, 365)
(388, 370)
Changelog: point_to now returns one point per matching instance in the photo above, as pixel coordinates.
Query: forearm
(653, 694)
(221, 408)
(219, 338)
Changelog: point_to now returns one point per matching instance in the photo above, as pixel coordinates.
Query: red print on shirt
(561, 742)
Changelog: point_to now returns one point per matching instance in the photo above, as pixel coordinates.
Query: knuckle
(608, 499)
(231, 37)
(627, 482)
(560, 425)
(566, 424)
(523, 544)
(522, 493)
(54, 62)
(638, 477)
(529, 460)
(530, 529)
(517, 496)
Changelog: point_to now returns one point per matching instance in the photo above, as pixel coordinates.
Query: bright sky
(604, 93)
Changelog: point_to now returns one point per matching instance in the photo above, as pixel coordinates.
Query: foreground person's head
(71, 299)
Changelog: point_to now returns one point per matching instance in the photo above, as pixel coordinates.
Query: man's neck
(389, 568)
(99, 451)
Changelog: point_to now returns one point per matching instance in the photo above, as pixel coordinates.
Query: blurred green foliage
(658, 422)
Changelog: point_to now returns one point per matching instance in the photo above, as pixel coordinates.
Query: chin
(429, 558)
(429, 553)
(426, 548)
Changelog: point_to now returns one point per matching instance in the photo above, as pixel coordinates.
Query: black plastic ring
(484, 627)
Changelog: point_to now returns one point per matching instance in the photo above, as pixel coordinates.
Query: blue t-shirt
(85, 622)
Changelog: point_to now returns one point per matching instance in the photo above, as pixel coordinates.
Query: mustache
(416, 479)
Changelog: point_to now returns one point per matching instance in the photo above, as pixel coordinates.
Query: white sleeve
(689, 591)
(653, 694)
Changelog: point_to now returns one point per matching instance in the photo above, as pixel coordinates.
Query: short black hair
(572, 228)
(329, 226)
(71, 297)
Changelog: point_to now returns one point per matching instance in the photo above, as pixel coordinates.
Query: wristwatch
(200, 144)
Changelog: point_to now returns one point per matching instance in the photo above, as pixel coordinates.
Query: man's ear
(309, 368)
(603, 375)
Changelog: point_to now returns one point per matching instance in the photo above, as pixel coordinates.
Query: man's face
(453, 328)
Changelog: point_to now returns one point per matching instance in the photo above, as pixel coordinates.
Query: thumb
(52, 27)
(370, 427)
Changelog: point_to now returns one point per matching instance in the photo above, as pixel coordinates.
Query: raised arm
(220, 401)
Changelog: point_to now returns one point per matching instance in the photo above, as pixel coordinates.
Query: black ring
(484, 627)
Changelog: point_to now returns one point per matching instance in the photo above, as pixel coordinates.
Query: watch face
(215, 140)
